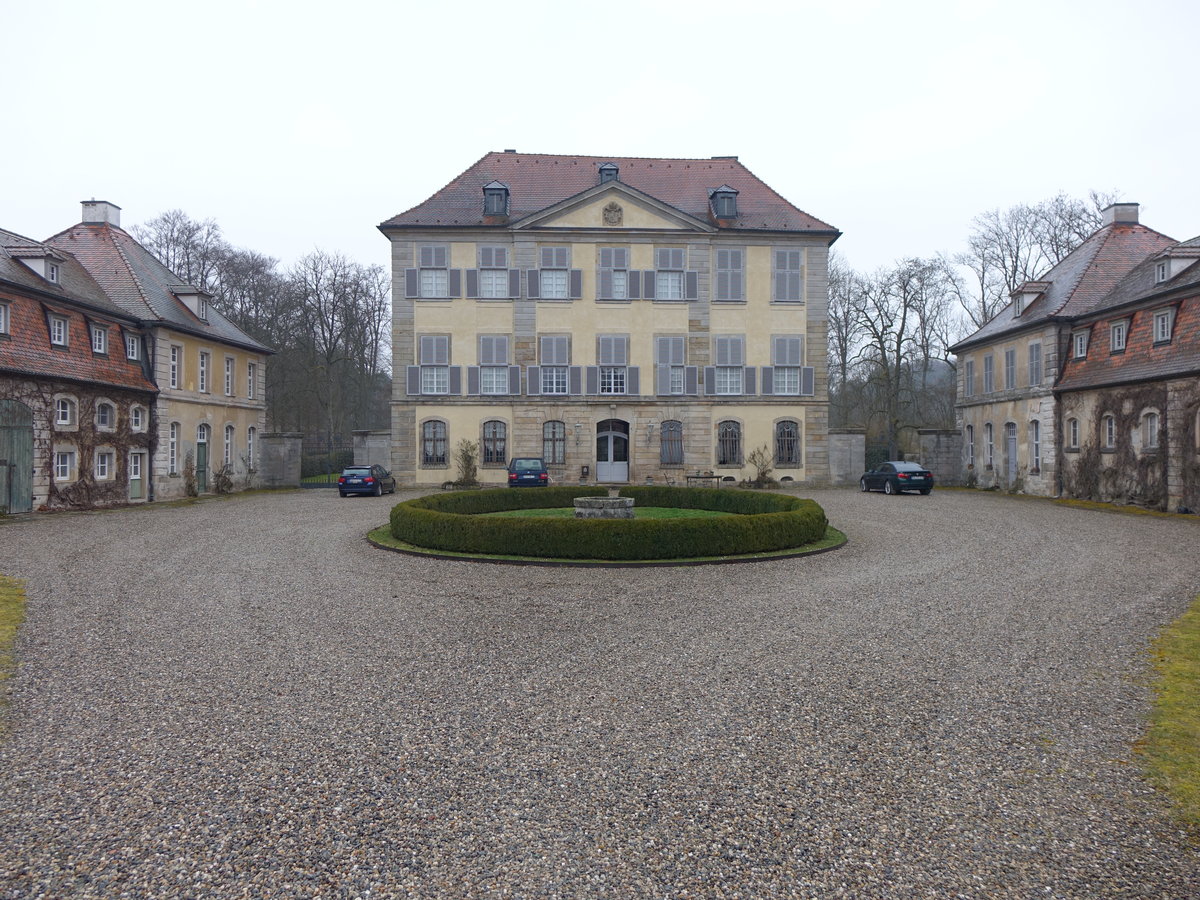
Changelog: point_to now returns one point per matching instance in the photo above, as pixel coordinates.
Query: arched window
(989, 446)
(228, 445)
(1150, 431)
(670, 443)
(554, 443)
(106, 416)
(251, 434)
(173, 450)
(787, 443)
(729, 444)
(1073, 433)
(1035, 446)
(970, 445)
(1108, 432)
(495, 443)
(433, 443)
(64, 411)
(137, 418)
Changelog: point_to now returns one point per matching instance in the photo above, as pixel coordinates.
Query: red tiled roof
(538, 181)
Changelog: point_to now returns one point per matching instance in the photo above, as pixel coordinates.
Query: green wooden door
(16, 457)
(202, 467)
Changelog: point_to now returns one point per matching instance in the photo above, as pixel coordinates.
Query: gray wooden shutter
(455, 379)
(748, 374)
(662, 379)
(533, 381)
(633, 281)
(472, 379)
(633, 384)
(413, 386)
(691, 289)
(412, 283)
(593, 379)
(648, 285)
(455, 281)
(575, 379)
(768, 380)
(575, 291)
(472, 284)
(532, 283)
(690, 379)
(606, 284)
(710, 381)
(514, 283)
(514, 379)
(808, 381)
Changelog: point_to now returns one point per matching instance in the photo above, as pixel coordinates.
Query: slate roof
(73, 283)
(1080, 281)
(537, 181)
(141, 285)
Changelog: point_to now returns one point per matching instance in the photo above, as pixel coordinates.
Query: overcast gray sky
(300, 125)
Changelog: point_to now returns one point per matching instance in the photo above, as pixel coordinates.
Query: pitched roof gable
(539, 181)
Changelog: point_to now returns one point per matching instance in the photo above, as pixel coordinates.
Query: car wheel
(862, 485)
(888, 488)
(342, 494)
(378, 489)
(925, 491)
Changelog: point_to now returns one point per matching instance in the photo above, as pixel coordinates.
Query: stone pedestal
(604, 507)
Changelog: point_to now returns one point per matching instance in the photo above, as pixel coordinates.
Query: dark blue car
(896, 477)
(528, 471)
(366, 480)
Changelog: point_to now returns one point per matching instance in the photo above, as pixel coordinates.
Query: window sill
(787, 303)
(1108, 449)
(1070, 449)
(426, 465)
(731, 302)
(1165, 343)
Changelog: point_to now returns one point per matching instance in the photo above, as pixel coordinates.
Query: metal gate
(16, 457)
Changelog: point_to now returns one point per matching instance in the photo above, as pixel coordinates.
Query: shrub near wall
(758, 523)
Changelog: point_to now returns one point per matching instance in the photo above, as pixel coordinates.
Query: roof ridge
(128, 265)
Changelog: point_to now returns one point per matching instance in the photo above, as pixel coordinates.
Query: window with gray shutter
(614, 274)
(787, 357)
(669, 276)
(435, 349)
(789, 275)
(729, 356)
(555, 275)
(554, 353)
(434, 279)
(612, 356)
(492, 278)
(493, 365)
(669, 357)
(730, 275)
(435, 373)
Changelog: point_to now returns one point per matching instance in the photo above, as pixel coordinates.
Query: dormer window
(52, 272)
(1162, 271)
(495, 199)
(609, 172)
(201, 307)
(724, 202)
(99, 339)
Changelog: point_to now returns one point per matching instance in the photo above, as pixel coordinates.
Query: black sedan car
(528, 471)
(366, 480)
(895, 477)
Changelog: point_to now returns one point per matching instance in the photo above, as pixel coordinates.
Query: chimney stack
(1120, 213)
(97, 212)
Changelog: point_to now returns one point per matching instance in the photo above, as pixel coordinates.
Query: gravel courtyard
(241, 698)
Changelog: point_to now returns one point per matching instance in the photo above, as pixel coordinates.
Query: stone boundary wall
(941, 453)
(847, 455)
(279, 461)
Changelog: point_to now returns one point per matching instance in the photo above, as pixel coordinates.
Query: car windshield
(356, 470)
(909, 467)
(527, 465)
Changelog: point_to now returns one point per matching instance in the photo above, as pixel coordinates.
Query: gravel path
(944, 708)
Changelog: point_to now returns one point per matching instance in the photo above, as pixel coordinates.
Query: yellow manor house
(628, 320)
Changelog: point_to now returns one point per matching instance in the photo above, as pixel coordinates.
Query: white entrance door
(612, 451)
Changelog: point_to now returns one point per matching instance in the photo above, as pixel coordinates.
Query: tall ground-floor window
(173, 450)
(251, 434)
(554, 443)
(989, 446)
(1035, 445)
(670, 438)
(495, 443)
(433, 443)
(787, 443)
(729, 444)
(228, 445)
(970, 445)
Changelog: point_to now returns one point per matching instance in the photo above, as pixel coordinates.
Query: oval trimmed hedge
(761, 523)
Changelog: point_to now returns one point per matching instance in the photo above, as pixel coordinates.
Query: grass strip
(12, 613)
(1171, 747)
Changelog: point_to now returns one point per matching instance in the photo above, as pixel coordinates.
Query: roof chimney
(1120, 212)
(100, 211)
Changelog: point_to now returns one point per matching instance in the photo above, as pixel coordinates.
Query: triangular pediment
(613, 205)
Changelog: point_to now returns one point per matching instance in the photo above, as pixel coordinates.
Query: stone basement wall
(941, 453)
(847, 455)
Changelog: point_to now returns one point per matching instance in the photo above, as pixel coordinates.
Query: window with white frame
(787, 443)
(229, 376)
(729, 443)
(135, 466)
(64, 411)
(668, 275)
(1073, 434)
(106, 416)
(251, 380)
(789, 275)
(1163, 320)
(133, 347)
(1079, 342)
(989, 374)
(104, 464)
(493, 273)
(58, 330)
(176, 362)
(227, 457)
(4, 318)
(729, 354)
(555, 357)
(1161, 271)
(434, 271)
(1035, 445)
(99, 339)
(614, 273)
(495, 443)
(1010, 369)
(970, 445)
(969, 379)
(137, 418)
(64, 465)
(555, 275)
(787, 358)
(493, 364)
(554, 443)
(435, 364)
(1035, 365)
(251, 434)
(1150, 431)
(612, 355)
(1108, 431)
(730, 275)
(1116, 334)
(205, 360)
(670, 356)
(989, 445)
(52, 272)
(670, 443)
(173, 450)
(433, 443)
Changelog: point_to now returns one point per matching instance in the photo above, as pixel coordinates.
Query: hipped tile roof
(538, 181)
